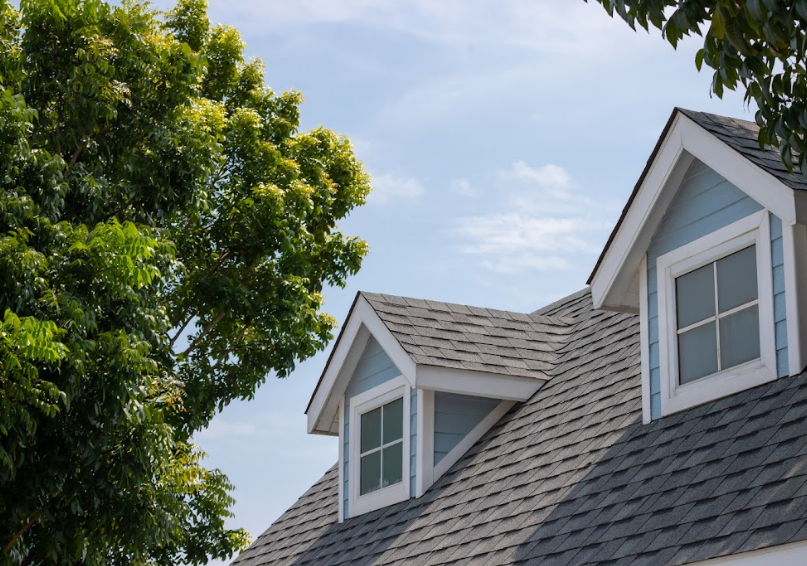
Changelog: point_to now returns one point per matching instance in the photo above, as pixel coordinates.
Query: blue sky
(503, 139)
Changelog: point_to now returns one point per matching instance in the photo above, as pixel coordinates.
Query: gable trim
(362, 322)
(682, 141)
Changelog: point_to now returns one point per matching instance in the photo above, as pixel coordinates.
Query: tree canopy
(757, 44)
(166, 231)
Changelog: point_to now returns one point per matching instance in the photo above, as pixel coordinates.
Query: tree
(166, 232)
(759, 44)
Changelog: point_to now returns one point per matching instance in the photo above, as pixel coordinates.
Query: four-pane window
(717, 311)
(381, 447)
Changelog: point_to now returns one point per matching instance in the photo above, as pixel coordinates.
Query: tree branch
(81, 147)
(181, 328)
(203, 334)
(21, 532)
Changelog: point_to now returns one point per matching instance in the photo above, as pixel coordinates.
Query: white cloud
(544, 222)
(461, 187)
(391, 186)
(548, 176)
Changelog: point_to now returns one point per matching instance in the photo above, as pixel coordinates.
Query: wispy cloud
(393, 187)
(544, 222)
(462, 187)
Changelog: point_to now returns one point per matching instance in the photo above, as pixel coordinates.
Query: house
(656, 417)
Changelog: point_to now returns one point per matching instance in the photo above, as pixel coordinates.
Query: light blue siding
(374, 368)
(780, 323)
(705, 202)
(454, 417)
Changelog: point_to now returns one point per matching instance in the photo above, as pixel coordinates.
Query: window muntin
(717, 316)
(381, 452)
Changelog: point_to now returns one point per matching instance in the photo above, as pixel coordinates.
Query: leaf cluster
(166, 231)
(757, 44)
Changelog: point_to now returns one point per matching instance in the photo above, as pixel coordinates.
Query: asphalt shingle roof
(742, 136)
(572, 477)
(464, 337)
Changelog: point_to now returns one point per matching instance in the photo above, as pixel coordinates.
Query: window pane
(695, 295)
(370, 472)
(697, 353)
(393, 464)
(371, 430)
(739, 337)
(737, 279)
(393, 421)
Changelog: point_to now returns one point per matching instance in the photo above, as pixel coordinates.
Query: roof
(465, 337)
(450, 335)
(573, 477)
(740, 135)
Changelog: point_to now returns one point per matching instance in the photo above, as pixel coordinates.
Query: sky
(503, 139)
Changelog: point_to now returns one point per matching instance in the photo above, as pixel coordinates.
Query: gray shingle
(573, 476)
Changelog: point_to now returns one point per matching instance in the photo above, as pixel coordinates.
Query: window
(379, 447)
(716, 315)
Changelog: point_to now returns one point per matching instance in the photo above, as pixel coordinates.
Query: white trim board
(794, 244)
(362, 323)
(793, 554)
(481, 384)
(644, 341)
(684, 141)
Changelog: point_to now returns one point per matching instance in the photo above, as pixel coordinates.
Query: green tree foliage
(165, 234)
(758, 44)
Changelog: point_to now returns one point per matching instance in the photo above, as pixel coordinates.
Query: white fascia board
(754, 181)
(481, 384)
(621, 261)
(793, 554)
(363, 323)
(684, 142)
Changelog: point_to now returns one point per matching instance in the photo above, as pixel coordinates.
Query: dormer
(411, 385)
(711, 252)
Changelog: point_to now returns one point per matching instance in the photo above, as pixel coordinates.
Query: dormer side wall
(705, 203)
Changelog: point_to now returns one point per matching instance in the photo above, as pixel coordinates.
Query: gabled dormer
(711, 252)
(411, 385)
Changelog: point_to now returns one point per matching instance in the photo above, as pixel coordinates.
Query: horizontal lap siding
(705, 202)
(454, 417)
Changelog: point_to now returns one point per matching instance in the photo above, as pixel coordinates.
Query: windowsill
(380, 498)
(718, 385)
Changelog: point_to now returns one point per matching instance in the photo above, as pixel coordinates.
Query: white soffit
(617, 274)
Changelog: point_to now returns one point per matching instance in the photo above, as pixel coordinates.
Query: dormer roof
(443, 347)
(728, 146)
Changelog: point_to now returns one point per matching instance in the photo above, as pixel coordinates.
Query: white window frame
(396, 388)
(751, 230)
